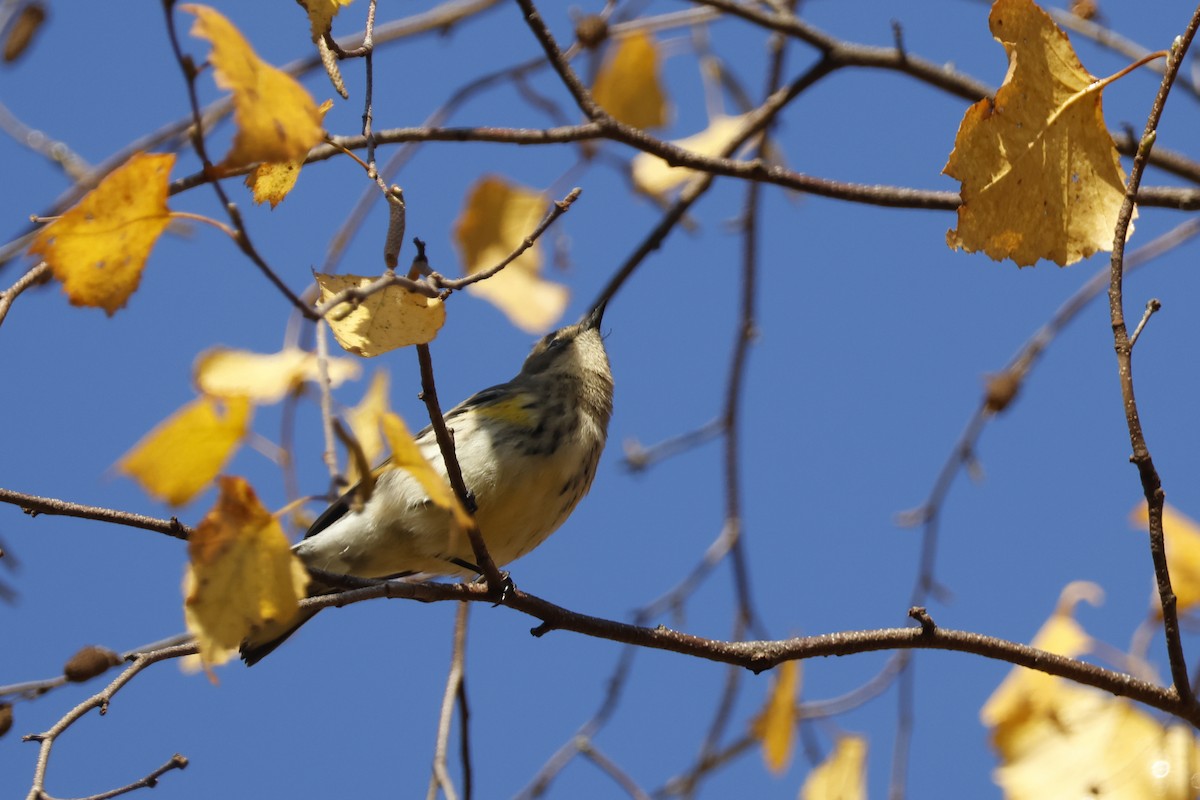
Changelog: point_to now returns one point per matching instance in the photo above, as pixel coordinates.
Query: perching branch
(1151, 483)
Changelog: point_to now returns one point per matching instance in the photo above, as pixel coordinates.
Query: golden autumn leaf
(186, 451)
(406, 455)
(1182, 535)
(775, 726)
(98, 248)
(494, 221)
(1091, 744)
(365, 420)
(628, 85)
(842, 775)
(1040, 174)
(384, 321)
(270, 182)
(277, 120)
(656, 177)
(321, 14)
(264, 377)
(241, 574)
(1027, 694)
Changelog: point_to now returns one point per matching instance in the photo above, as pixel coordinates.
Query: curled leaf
(264, 377)
(277, 120)
(775, 726)
(494, 222)
(388, 319)
(241, 576)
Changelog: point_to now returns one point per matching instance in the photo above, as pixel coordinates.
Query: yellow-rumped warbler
(528, 451)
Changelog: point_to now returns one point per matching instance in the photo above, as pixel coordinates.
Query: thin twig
(437, 421)
(149, 782)
(99, 701)
(615, 686)
(588, 750)
(35, 275)
(242, 237)
(440, 777)
(1152, 306)
(639, 457)
(556, 210)
(34, 505)
(1148, 475)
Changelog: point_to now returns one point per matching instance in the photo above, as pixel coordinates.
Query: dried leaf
(98, 248)
(656, 177)
(186, 451)
(365, 420)
(1091, 744)
(321, 14)
(264, 377)
(628, 84)
(1040, 174)
(775, 726)
(406, 455)
(384, 321)
(1027, 694)
(242, 575)
(494, 221)
(1182, 535)
(271, 182)
(842, 775)
(277, 120)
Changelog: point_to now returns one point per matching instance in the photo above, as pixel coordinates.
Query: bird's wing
(339, 507)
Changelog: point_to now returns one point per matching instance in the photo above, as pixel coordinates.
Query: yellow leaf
(406, 455)
(272, 181)
(321, 14)
(627, 85)
(263, 377)
(841, 776)
(183, 453)
(1027, 694)
(386, 320)
(775, 726)
(364, 421)
(655, 177)
(276, 118)
(1040, 175)
(97, 250)
(495, 220)
(242, 575)
(1091, 744)
(1182, 536)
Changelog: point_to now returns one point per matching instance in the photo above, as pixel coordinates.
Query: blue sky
(874, 340)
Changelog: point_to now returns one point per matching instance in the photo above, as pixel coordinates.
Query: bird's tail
(261, 645)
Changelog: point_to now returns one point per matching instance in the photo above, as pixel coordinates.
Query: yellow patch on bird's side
(514, 410)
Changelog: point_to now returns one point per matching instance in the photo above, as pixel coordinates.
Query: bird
(528, 450)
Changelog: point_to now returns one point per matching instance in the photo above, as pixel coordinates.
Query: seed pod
(89, 662)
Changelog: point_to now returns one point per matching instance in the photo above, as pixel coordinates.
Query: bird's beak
(592, 320)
